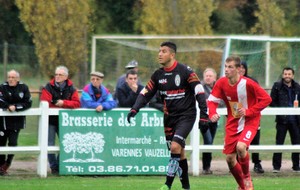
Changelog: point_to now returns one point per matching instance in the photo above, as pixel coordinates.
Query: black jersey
(177, 87)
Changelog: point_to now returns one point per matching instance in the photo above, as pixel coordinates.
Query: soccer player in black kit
(179, 88)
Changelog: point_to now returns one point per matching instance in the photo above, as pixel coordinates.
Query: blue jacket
(88, 99)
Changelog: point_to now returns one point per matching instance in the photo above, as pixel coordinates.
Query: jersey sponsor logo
(162, 81)
(173, 94)
(177, 80)
(235, 106)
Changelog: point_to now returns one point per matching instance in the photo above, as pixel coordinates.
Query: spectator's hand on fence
(131, 114)
(59, 103)
(12, 108)
(99, 108)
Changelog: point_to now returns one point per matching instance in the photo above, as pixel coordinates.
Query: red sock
(244, 162)
(237, 173)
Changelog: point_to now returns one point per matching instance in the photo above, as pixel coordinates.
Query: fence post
(195, 141)
(43, 139)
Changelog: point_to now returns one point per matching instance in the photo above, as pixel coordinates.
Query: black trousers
(281, 131)
(255, 141)
(208, 139)
(10, 138)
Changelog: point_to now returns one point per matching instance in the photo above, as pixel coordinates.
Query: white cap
(132, 64)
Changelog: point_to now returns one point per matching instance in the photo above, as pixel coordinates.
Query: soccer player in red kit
(244, 100)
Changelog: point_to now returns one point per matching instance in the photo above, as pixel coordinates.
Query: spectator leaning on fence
(132, 65)
(59, 93)
(283, 94)
(14, 96)
(128, 92)
(208, 131)
(95, 95)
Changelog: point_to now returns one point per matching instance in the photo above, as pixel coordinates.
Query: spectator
(283, 94)
(97, 96)
(59, 93)
(179, 88)
(14, 97)
(255, 156)
(129, 91)
(244, 100)
(208, 133)
(132, 65)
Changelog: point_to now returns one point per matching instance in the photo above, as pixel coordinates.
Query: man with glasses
(97, 96)
(14, 97)
(59, 93)
(128, 92)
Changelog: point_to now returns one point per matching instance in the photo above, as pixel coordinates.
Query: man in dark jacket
(128, 92)
(283, 94)
(208, 133)
(59, 93)
(14, 96)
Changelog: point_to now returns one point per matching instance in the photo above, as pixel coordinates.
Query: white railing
(196, 148)
(43, 149)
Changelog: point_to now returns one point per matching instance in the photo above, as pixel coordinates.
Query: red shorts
(246, 136)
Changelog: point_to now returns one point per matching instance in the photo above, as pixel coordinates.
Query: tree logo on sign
(79, 144)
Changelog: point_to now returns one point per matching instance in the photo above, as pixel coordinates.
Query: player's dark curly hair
(171, 45)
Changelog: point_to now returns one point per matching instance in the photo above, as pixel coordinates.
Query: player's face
(209, 78)
(231, 70)
(287, 76)
(165, 55)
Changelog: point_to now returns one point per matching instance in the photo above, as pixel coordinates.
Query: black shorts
(178, 128)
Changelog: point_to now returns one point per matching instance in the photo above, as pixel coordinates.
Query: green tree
(11, 29)
(233, 17)
(111, 16)
(59, 30)
(292, 15)
(175, 17)
(271, 19)
(20, 48)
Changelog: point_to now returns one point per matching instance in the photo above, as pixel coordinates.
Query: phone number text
(116, 169)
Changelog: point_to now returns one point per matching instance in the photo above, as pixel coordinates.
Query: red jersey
(245, 93)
